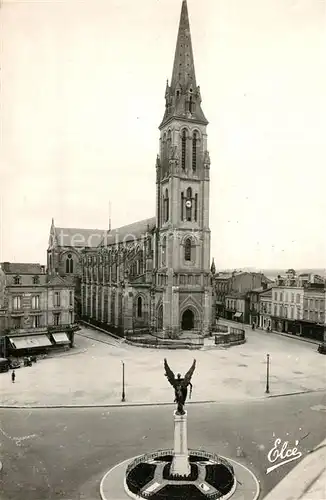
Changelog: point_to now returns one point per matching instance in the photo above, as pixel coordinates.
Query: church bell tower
(182, 256)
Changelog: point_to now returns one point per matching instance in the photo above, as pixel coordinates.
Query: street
(63, 453)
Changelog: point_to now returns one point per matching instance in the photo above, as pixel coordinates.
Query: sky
(82, 96)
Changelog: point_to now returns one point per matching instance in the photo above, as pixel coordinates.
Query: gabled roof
(57, 280)
(77, 237)
(22, 268)
(267, 293)
(131, 232)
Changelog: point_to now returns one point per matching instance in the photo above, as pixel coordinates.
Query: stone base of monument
(130, 479)
(180, 474)
(152, 476)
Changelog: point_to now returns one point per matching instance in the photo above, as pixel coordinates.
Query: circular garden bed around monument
(211, 477)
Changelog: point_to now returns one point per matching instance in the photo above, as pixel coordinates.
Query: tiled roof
(130, 232)
(22, 268)
(77, 237)
(92, 238)
(58, 281)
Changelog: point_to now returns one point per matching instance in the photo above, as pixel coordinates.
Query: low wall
(235, 336)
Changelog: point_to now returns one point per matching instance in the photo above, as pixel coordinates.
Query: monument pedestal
(180, 463)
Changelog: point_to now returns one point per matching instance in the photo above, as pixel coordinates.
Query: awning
(30, 342)
(238, 315)
(61, 338)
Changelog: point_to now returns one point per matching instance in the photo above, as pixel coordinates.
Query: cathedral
(154, 275)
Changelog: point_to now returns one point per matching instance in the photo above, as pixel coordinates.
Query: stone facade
(30, 301)
(155, 274)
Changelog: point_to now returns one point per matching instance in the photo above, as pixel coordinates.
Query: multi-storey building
(237, 282)
(265, 303)
(32, 304)
(237, 307)
(298, 305)
(314, 310)
(156, 273)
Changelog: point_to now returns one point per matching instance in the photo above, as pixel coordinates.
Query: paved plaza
(93, 374)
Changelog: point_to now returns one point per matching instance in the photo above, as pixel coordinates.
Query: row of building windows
(18, 280)
(291, 297)
(36, 320)
(35, 303)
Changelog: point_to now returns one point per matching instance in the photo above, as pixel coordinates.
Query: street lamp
(123, 383)
(267, 376)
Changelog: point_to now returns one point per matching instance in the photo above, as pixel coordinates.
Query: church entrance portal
(187, 322)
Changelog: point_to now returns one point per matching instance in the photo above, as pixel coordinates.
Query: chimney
(6, 266)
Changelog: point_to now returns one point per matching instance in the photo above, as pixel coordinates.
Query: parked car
(14, 364)
(322, 348)
(4, 364)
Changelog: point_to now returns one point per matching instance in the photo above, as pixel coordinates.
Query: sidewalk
(307, 481)
(94, 377)
(246, 327)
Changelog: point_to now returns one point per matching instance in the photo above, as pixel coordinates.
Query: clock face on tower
(188, 204)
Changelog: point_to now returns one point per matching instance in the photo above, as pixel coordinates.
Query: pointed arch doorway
(160, 318)
(188, 320)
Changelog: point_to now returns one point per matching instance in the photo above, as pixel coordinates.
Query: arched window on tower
(69, 264)
(189, 205)
(164, 251)
(194, 151)
(196, 207)
(183, 149)
(182, 205)
(188, 249)
(139, 307)
(190, 104)
(165, 154)
(50, 262)
(166, 206)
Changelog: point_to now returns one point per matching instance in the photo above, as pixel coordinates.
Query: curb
(308, 391)
(62, 355)
(130, 405)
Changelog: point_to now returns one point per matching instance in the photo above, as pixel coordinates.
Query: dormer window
(17, 280)
(36, 280)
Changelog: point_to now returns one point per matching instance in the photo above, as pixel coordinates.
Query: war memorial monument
(179, 472)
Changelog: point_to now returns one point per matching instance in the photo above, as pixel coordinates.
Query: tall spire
(184, 66)
(182, 97)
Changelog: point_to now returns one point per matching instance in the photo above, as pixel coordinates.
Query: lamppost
(123, 383)
(267, 376)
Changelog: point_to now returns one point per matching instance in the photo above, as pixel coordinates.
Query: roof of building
(78, 237)
(237, 295)
(131, 232)
(183, 82)
(22, 268)
(59, 281)
(267, 293)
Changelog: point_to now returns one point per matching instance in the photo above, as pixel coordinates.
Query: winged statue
(180, 385)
